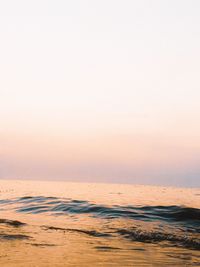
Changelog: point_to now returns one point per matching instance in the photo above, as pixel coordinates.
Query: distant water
(105, 224)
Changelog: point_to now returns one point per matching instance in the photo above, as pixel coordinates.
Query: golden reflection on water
(46, 240)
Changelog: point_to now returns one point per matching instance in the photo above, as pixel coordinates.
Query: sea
(51, 223)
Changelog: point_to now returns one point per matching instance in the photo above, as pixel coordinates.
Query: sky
(100, 91)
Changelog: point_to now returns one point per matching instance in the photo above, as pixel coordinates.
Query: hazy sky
(100, 90)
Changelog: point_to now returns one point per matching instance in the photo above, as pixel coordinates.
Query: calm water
(75, 224)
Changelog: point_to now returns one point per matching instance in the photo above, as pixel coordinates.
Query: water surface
(79, 224)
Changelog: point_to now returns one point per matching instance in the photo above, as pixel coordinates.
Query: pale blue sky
(110, 89)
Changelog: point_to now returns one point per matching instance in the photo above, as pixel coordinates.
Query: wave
(187, 216)
(157, 237)
(13, 237)
(132, 234)
(138, 235)
(11, 222)
(178, 225)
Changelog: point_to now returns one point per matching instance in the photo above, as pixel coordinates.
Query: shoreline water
(98, 224)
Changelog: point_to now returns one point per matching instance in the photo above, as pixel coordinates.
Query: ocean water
(82, 224)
